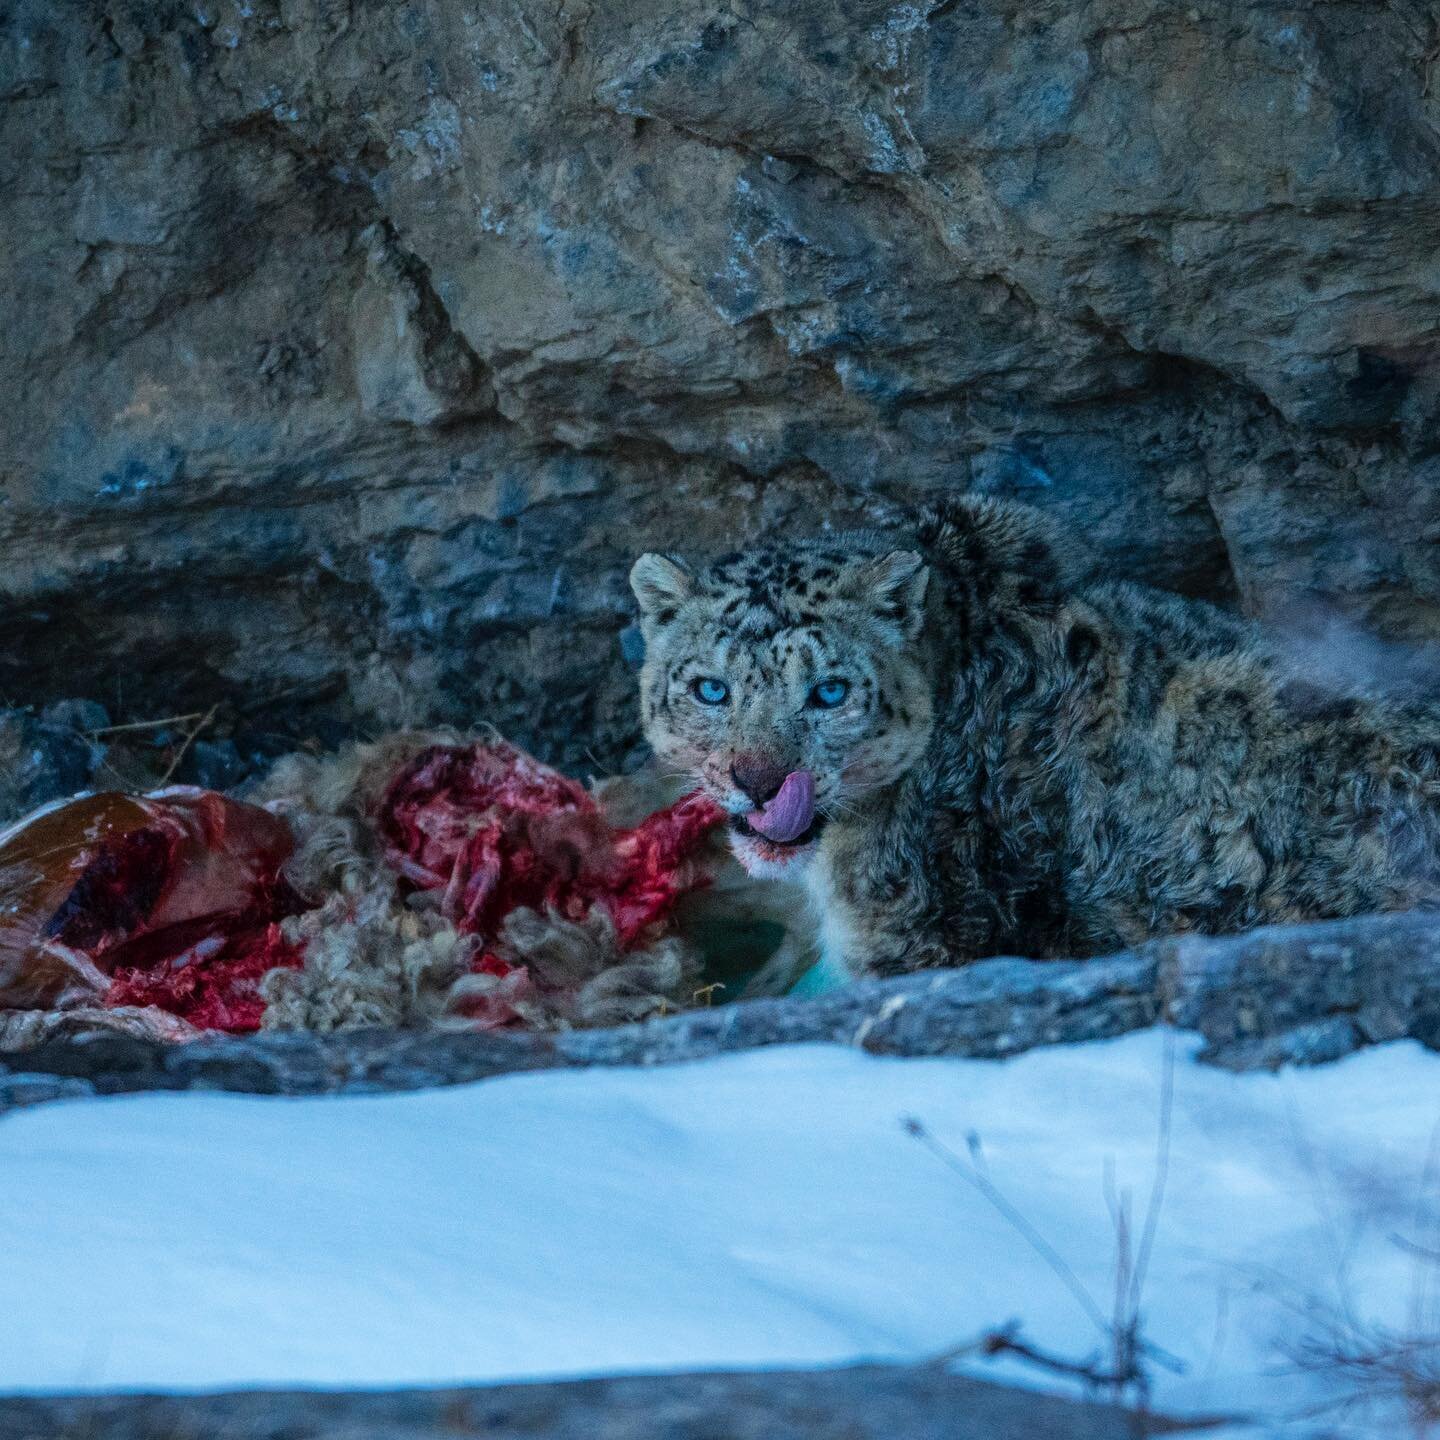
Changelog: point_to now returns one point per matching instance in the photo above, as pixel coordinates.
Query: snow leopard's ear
(895, 585)
(661, 585)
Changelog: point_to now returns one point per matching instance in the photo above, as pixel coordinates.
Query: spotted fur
(1026, 764)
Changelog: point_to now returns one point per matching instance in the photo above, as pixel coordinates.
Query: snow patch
(760, 1210)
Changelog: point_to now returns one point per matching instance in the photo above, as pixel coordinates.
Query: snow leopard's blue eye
(829, 693)
(709, 691)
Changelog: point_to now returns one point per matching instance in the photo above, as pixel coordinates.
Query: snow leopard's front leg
(878, 907)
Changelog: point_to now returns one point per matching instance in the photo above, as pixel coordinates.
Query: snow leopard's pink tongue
(788, 813)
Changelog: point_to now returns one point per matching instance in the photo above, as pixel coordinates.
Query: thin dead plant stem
(1378, 1368)
(201, 724)
(1124, 1371)
(135, 725)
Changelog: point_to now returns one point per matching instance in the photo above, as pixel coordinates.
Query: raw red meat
(215, 984)
(115, 881)
(173, 900)
(496, 830)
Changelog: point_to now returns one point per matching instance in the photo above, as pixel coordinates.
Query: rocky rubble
(861, 1403)
(71, 746)
(352, 349)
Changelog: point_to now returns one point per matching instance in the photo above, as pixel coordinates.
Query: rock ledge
(1289, 994)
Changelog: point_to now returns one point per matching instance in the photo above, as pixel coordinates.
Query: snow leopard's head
(788, 681)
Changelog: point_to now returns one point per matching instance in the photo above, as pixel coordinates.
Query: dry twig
(189, 740)
(160, 724)
(1125, 1374)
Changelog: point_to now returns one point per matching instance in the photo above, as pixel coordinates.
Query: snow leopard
(961, 744)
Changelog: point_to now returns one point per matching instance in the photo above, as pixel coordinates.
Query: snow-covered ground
(765, 1209)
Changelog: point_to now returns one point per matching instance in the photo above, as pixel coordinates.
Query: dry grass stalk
(1122, 1372)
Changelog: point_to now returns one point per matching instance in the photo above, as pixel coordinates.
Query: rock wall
(352, 348)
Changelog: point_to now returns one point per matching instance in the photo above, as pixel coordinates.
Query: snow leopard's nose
(758, 776)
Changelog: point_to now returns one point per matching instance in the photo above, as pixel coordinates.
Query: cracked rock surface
(352, 349)
(1298, 994)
